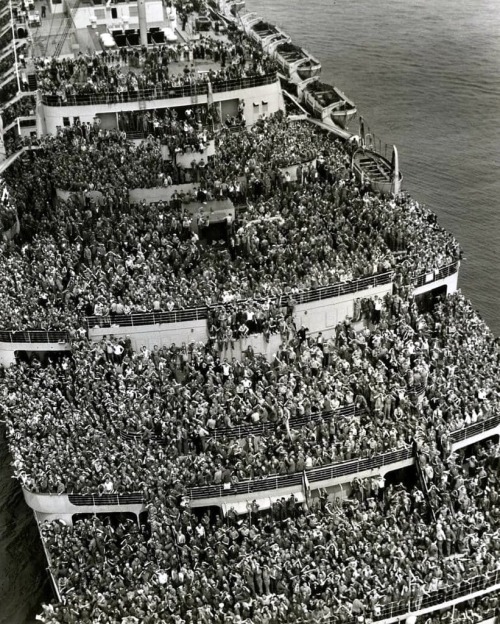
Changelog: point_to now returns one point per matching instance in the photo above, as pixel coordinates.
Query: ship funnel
(396, 178)
(143, 24)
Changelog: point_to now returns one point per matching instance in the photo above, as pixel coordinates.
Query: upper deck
(92, 60)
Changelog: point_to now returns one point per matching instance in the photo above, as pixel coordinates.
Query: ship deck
(54, 37)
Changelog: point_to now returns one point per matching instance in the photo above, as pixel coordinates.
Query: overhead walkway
(13, 157)
(16, 98)
(9, 48)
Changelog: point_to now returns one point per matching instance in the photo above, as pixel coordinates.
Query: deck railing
(34, 336)
(93, 500)
(342, 288)
(340, 469)
(195, 314)
(472, 430)
(158, 93)
(445, 271)
(248, 430)
(321, 473)
(259, 429)
(308, 296)
(274, 482)
(482, 584)
(147, 318)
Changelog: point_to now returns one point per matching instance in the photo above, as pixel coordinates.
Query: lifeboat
(296, 63)
(384, 175)
(263, 32)
(326, 102)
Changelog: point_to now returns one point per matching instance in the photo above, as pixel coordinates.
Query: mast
(396, 182)
(143, 24)
(362, 131)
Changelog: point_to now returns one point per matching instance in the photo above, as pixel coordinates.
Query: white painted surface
(164, 334)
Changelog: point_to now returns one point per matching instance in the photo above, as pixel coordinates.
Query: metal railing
(342, 469)
(446, 271)
(93, 500)
(472, 430)
(343, 288)
(51, 569)
(34, 336)
(483, 583)
(274, 482)
(147, 318)
(158, 93)
(195, 314)
(323, 473)
(333, 471)
(352, 467)
(245, 431)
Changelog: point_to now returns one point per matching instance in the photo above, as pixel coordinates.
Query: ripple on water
(426, 76)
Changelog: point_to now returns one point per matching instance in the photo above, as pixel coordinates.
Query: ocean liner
(239, 381)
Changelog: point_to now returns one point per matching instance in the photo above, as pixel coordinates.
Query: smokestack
(143, 25)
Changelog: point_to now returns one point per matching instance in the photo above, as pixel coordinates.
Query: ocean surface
(425, 76)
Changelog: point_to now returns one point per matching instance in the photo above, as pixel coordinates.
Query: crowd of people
(189, 132)
(127, 71)
(108, 413)
(21, 108)
(104, 419)
(327, 560)
(319, 230)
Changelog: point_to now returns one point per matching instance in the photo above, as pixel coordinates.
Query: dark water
(426, 76)
(23, 578)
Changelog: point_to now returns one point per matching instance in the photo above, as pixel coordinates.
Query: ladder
(63, 37)
(32, 82)
(67, 28)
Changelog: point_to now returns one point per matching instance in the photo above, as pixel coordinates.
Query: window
(100, 14)
(114, 13)
(133, 10)
(264, 106)
(76, 121)
(66, 122)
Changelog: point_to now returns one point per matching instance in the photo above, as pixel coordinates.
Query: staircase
(32, 82)
(64, 36)
(67, 28)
